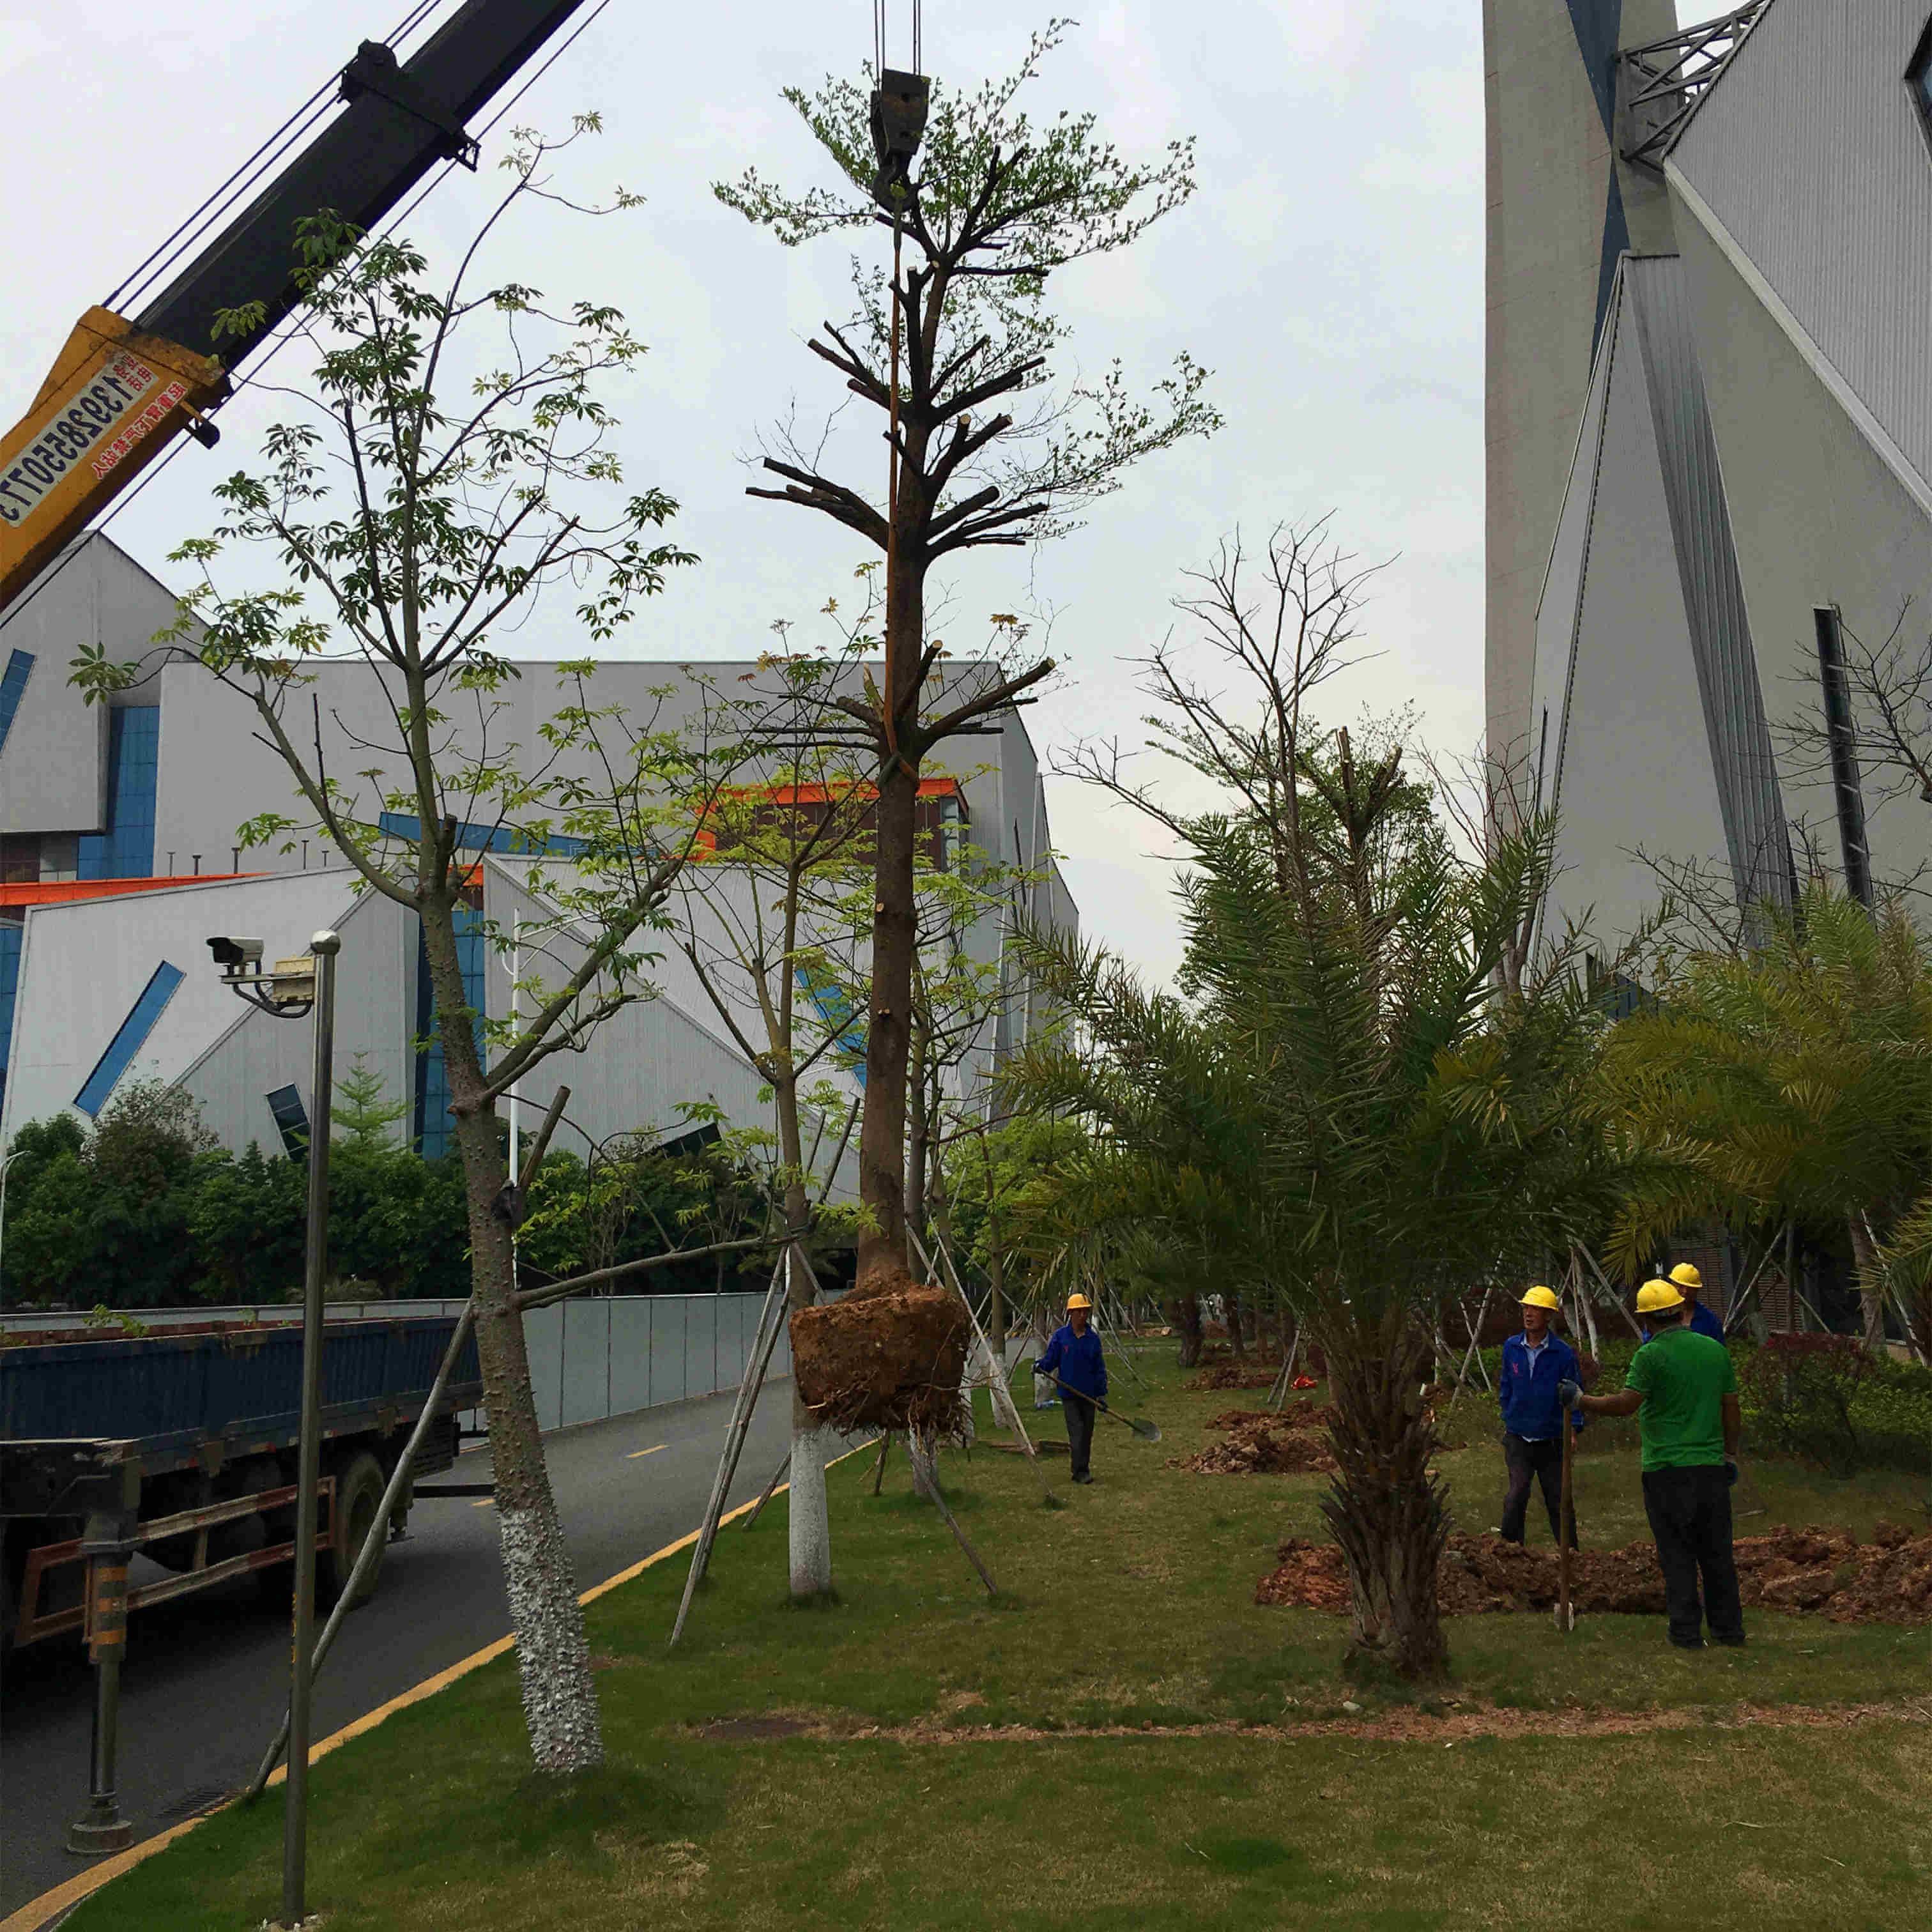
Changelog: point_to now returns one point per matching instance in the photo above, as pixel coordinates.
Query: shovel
(1148, 1431)
(1566, 1611)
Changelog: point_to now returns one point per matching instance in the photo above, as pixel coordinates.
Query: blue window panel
(126, 850)
(291, 1121)
(13, 684)
(10, 937)
(835, 1009)
(130, 1039)
(472, 837)
(433, 1134)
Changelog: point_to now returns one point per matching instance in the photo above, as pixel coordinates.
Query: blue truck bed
(162, 1401)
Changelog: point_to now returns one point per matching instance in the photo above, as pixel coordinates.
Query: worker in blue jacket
(1690, 1284)
(1074, 1356)
(1534, 1363)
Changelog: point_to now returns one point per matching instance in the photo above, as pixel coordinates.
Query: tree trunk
(1235, 1339)
(882, 1134)
(1383, 1507)
(918, 1140)
(810, 1539)
(1183, 1315)
(1871, 1291)
(552, 1657)
(882, 1137)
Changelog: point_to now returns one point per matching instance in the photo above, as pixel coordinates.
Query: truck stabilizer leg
(103, 1828)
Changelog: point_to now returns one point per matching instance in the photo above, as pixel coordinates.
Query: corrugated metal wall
(1811, 153)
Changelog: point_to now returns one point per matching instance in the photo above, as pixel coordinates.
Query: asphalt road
(206, 1678)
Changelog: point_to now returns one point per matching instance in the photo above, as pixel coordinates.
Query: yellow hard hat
(1685, 1276)
(1074, 1301)
(1657, 1297)
(1541, 1297)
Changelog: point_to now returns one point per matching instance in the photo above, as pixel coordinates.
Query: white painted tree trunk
(810, 1521)
(553, 1658)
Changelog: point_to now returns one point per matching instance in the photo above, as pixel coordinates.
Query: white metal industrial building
(121, 857)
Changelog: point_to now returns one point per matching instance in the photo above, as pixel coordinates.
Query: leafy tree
(986, 448)
(359, 1114)
(248, 1219)
(449, 463)
(774, 926)
(1003, 1189)
(1786, 1080)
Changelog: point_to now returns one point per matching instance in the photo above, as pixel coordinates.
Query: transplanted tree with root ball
(988, 448)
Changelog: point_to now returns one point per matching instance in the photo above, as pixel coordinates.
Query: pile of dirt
(1823, 1570)
(1232, 1375)
(1294, 1442)
(890, 1360)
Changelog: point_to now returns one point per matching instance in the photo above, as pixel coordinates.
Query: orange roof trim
(60, 891)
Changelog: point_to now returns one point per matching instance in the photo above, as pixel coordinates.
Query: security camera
(232, 955)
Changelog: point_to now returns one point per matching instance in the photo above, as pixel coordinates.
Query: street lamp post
(296, 988)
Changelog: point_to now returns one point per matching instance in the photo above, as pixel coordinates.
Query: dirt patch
(753, 1730)
(1822, 1570)
(890, 1361)
(1436, 1728)
(1260, 1442)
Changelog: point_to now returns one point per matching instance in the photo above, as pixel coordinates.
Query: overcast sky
(1329, 272)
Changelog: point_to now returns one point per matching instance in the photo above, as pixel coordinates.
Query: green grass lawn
(1130, 1607)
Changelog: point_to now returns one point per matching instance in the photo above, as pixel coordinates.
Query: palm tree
(1338, 1106)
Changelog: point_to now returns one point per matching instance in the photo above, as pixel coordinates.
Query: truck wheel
(359, 1515)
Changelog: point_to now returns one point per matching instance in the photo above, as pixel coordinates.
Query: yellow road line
(485, 1502)
(50, 1905)
(651, 1451)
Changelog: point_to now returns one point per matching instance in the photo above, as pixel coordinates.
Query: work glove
(1730, 1472)
(1569, 1393)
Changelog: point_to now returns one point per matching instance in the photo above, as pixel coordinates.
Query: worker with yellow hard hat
(1074, 1356)
(1683, 1392)
(1685, 1278)
(1535, 1363)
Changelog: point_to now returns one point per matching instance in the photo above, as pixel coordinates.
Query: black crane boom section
(401, 119)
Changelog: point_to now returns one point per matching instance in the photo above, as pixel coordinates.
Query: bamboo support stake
(771, 1490)
(925, 1474)
(756, 1362)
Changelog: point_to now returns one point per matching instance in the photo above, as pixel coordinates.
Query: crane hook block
(898, 121)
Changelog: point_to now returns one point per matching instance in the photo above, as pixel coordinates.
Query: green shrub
(1832, 1400)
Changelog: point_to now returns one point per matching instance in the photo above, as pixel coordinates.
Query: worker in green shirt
(1681, 1389)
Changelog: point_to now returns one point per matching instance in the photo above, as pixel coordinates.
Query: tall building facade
(1746, 518)
(1562, 207)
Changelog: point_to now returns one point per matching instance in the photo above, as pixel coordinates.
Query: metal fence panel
(668, 1313)
(585, 1378)
(630, 1353)
(543, 1339)
(701, 1344)
(731, 1340)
